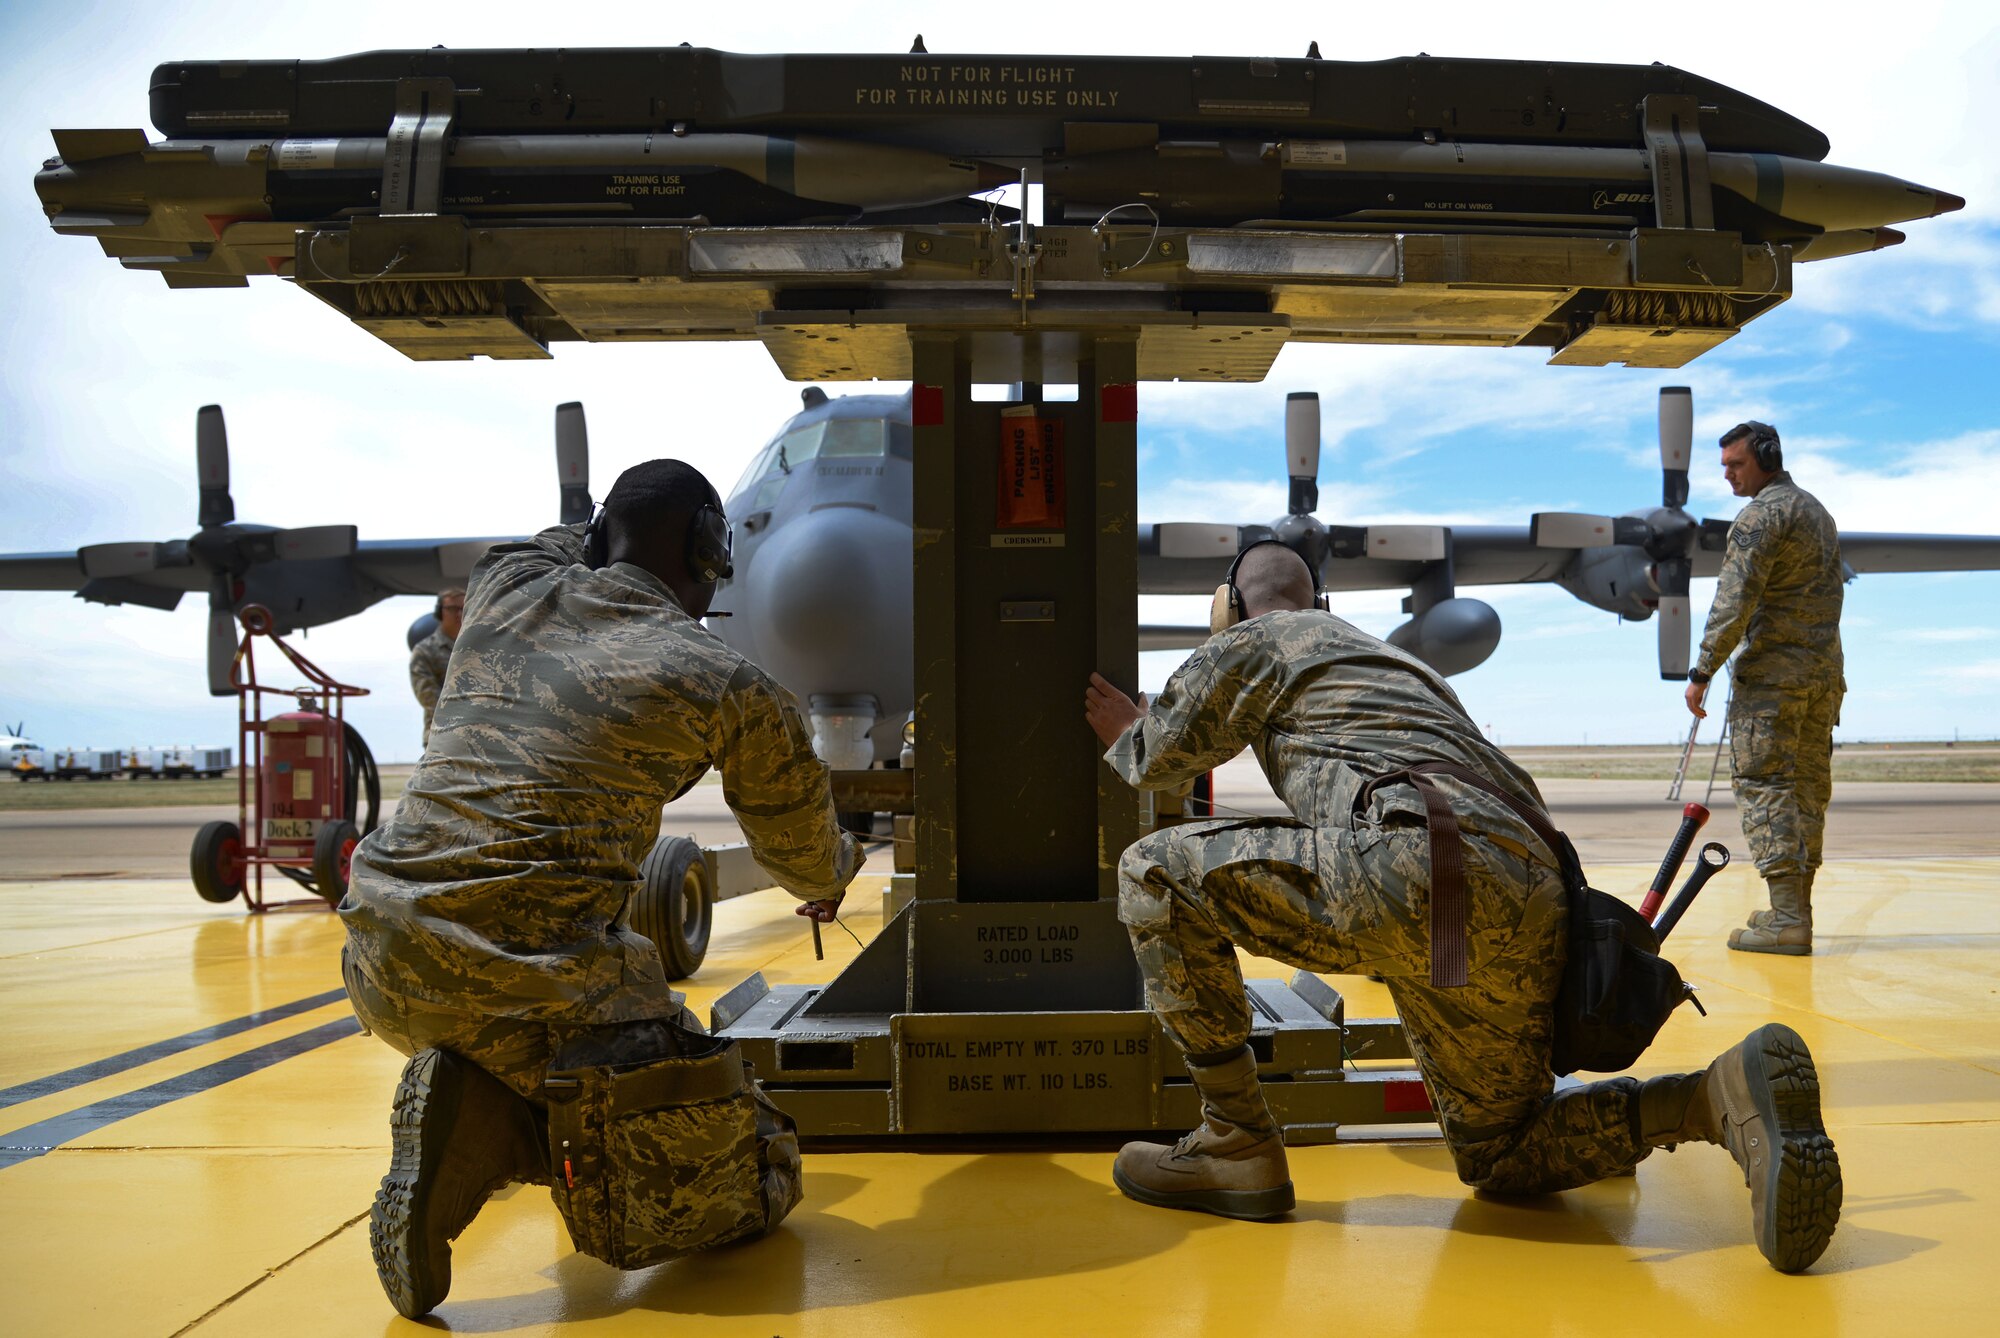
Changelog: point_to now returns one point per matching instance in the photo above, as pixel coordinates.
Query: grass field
(1939, 761)
(17, 796)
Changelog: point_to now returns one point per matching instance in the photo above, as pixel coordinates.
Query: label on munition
(1316, 153)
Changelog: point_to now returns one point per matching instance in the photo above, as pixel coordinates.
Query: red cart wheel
(333, 857)
(216, 862)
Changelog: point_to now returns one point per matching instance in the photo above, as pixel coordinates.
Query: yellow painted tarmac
(222, 1188)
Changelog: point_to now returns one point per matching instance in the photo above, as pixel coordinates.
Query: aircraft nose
(829, 598)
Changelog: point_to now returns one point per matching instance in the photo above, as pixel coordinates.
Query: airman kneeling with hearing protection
(483, 934)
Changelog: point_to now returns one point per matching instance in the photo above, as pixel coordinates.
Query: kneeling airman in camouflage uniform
(482, 921)
(1779, 594)
(1345, 886)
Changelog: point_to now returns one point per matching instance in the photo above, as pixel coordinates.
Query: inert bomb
(1763, 196)
(1692, 818)
(180, 190)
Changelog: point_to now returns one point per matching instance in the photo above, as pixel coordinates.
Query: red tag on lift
(1119, 403)
(1404, 1097)
(926, 406)
(1030, 493)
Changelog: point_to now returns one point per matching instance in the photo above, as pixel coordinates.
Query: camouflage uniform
(428, 661)
(1326, 706)
(482, 917)
(1779, 594)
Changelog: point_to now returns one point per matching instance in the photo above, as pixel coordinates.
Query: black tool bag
(1617, 991)
(662, 1156)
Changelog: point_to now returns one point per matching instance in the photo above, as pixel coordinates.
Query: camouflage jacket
(579, 702)
(1325, 706)
(428, 659)
(1779, 593)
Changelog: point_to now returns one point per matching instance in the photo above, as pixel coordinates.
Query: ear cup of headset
(1225, 610)
(1769, 452)
(708, 545)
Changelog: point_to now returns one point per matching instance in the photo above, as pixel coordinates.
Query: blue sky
(1879, 372)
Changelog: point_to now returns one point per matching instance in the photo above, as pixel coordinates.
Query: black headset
(709, 542)
(1764, 444)
(1226, 609)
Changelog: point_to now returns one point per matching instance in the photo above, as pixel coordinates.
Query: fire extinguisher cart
(296, 786)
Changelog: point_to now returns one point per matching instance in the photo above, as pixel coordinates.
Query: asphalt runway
(1611, 822)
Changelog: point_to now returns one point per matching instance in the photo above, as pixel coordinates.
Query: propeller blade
(315, 541)
(1571, 529)
(211, 459)
(573, 463)
(1302, 450)
(1671, 578)
(108, 560)
(222, 642)
(1676, 443)
(1408, 543)
(1675, 636)
(1190, 539)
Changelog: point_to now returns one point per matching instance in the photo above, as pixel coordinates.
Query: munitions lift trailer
(1004, 998)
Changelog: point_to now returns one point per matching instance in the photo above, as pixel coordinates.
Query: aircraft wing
(422, 566)
(1160, 636)
(1481, 555)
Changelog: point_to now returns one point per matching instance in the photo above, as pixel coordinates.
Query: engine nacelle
(1452, 635)
(1614, 579)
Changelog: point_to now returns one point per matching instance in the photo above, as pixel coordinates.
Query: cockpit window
(831, 438)
(855, 439)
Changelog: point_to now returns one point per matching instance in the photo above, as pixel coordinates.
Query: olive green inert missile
(1766, 197)
(180, 190)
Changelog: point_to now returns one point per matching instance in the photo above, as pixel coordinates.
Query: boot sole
(1245, 1205)
(414, 1278)
(1802, 1185)
(1777, 949)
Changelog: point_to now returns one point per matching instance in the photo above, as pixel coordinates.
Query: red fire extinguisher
(301, 780)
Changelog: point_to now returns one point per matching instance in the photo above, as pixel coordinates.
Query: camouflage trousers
(1356, 900)
(675, 1179)
(515, 1050)
(1781, 751)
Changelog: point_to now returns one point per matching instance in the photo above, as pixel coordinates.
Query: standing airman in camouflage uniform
(483, 919)
(430, 657)
(1345, 886)
(1779, 595)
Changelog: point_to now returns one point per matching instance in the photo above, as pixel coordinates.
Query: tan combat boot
(1763, 919)
(1232, 1164)
(457, 1134)
(1760, 1100)
(1787, 926)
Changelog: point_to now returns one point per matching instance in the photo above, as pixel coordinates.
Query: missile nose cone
(1889, 237)
(993, 177)
(1946, 203)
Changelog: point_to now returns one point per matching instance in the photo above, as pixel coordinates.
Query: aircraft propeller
(225, 549)
(1667, 536)
(573, 463)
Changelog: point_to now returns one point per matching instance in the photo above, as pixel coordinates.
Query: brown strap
(1450, 952)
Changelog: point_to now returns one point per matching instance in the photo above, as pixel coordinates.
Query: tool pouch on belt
(666, 1156)
(1617, 991)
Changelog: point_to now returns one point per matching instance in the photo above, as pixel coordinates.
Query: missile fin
(80, 146)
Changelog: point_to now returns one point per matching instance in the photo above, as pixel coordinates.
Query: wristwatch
(1697, 676)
